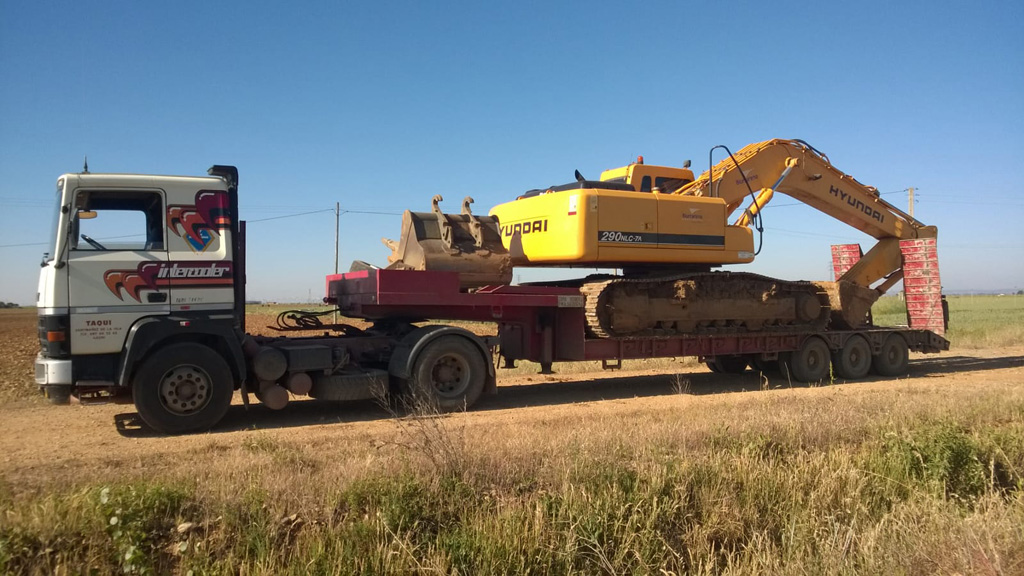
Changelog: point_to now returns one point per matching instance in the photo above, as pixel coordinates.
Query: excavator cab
(648, 177)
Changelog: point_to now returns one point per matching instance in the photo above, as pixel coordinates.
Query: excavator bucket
(850, 303)
(464, 243)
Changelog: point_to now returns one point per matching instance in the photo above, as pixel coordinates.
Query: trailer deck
(546, 324)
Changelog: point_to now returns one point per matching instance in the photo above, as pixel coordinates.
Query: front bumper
(53, 371)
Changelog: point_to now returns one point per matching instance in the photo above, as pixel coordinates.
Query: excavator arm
(792, 167)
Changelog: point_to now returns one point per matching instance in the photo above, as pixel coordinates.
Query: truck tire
(728, 364)
(448, 374)
(182, 388)
(853, 360)
(894, 357)
(810, 362)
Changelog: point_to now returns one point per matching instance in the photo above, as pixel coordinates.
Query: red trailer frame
(546, 324)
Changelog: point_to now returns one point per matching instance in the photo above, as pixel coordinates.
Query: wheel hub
(450, 375)
(185, 389)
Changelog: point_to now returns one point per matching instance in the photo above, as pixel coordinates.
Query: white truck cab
(142, 299)
(137, 261)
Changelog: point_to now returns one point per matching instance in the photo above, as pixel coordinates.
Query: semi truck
(155, 315)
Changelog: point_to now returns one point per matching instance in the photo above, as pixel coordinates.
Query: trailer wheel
(182, 388)
(810, 362)
(728, 364)
(853, 360)
(448, 374)
(894, 357)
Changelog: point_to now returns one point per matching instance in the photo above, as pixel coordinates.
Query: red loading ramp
(922, 285)
(844, 256)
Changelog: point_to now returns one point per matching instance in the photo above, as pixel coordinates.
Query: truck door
(117, 249)
(200, 269)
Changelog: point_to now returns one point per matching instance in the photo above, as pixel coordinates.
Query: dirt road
(41, 444)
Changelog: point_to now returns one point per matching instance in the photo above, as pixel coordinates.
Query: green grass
(974, 321)
(928, 492)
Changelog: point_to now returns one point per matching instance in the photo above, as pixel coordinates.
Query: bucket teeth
(464, 243)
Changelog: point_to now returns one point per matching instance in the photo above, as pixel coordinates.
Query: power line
(974, 203)
(22, 245)
(291, 215)
(376, 212)
(47, 243)
(371, 212)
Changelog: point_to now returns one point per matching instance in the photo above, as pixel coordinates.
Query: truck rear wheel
(853, 360)
(810, 362)
(182, 388)
(894, 357)
(448, 374)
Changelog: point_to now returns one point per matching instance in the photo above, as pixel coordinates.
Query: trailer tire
(448, 375)
(894, 357)
(810, 362)
(728, 364)
(182, 388)
(853, 360)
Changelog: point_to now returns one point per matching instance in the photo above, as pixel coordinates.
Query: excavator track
(702, 303)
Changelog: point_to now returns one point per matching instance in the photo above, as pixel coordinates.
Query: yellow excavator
(666, 230)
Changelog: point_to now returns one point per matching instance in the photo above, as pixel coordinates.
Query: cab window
(117, 220)
(669, 184)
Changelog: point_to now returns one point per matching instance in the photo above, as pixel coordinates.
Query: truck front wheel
(182, 388)
(448, 374)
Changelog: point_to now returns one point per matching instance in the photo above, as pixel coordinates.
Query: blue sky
(380, 105)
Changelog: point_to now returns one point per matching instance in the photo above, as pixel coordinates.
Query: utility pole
(337, 227)
(910, 197)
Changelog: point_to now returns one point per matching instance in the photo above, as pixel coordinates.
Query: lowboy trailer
(160, 321)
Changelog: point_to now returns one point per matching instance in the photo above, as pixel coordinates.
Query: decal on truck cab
(198, 223)
(157, 275)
